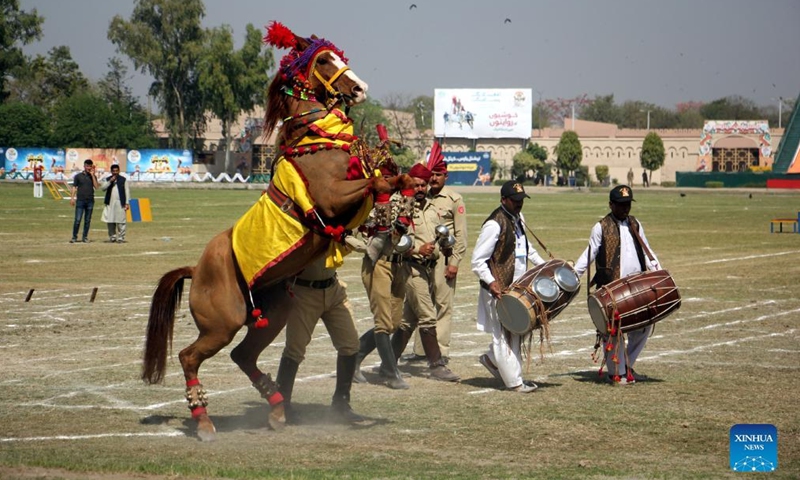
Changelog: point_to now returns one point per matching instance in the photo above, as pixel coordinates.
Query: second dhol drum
(639, 299)
(538, 296)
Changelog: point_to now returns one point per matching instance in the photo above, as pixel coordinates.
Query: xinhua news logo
(754, 448)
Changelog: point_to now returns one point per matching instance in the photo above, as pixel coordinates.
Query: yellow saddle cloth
(277, 223)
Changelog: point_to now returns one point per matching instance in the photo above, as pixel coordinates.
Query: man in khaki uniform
(384, 274)
(317, 293)
(419, 309)
(449, 206)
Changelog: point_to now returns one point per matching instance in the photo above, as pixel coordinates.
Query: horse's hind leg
(246, 354)
(206, 346)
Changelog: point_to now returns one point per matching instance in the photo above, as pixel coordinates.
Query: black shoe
(345, 414)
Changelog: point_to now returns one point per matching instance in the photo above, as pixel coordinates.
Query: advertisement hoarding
(482, 113)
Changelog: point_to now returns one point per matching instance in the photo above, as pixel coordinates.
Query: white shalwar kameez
(507, 356)
(628, 265)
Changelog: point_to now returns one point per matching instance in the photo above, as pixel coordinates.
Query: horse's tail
(166, 300)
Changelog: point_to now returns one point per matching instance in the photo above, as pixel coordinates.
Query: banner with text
(468, 168)
(482, 113)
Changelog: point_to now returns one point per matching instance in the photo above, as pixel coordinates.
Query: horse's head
(328, 74)
(314, 70)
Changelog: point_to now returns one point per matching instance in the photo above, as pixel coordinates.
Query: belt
(430, 263)
(396, 258)
(318, 284)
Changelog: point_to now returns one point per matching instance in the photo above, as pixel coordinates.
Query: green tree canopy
(45, 81)
(88, 120)
(23, 125)
(569, 152)
(365, 117)
(17, 28)
(233, 81)
(164, 38)
(652, 157)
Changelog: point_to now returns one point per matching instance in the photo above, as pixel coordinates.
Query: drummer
(500, 257)
(618, 253)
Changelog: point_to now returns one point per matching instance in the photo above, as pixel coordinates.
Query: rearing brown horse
(319, 182)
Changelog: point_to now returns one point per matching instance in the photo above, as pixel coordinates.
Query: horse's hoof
(205, 429)
(277, 417)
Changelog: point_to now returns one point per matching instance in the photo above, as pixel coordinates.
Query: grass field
(72, 405)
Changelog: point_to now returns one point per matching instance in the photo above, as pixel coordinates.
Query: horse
(311, 87)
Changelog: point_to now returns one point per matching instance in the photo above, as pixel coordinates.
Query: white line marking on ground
(173, 433)
(750, 257)
(718, 344)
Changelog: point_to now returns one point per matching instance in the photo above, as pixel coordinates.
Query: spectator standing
(116, 201)
(82, 198)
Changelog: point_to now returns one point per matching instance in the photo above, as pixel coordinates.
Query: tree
(652, 157)
(44, 81)
(89, 120)
(113, 86)
(602, 109)
(164, 38)
(365, 117)
(569, 152)
(17, 28)
(233, 81)
(422, 107)
(23, 125)
(601, 172)
(730, 108)
(533, 158)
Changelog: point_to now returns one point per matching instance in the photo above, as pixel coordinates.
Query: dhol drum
(538, 295)
(640, 299)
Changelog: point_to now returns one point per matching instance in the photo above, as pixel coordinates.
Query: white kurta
(114, 212)
(628, 265)
(502, 353)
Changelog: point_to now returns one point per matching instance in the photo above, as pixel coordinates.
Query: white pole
(780, 110)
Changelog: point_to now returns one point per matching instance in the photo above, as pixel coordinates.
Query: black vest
(607, 260)
(120, 185)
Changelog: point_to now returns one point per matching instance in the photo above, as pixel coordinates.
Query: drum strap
(537, 239)
(641, 243)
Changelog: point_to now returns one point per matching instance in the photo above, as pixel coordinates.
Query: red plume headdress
(296, 63)
(436, 161)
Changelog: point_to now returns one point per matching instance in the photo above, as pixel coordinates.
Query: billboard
(159, 165)
(482, 112)
(468, 168)
(19, 163)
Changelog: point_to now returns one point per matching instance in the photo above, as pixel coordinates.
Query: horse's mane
(277, 105)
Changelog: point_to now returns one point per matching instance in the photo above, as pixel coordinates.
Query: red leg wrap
(198, 411)
(275, 399)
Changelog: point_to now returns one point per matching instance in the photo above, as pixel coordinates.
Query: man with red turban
(449, 207)
(419, 308)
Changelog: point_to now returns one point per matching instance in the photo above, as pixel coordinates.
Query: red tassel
(616, 378)
(613, 331)
(614, 359)
(616, 315)
(629, 377)
(600, 372)
(256, 312)
(262, 323)
(328, 230)
(278, 35)
(609, 347)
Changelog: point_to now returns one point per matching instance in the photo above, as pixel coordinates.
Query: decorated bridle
(298, 65)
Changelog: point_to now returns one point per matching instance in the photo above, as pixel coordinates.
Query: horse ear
(301, 43)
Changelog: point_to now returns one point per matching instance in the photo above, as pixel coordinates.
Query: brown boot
(436, 364)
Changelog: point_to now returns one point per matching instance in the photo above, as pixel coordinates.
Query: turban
(420, 171)
(436, 161)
